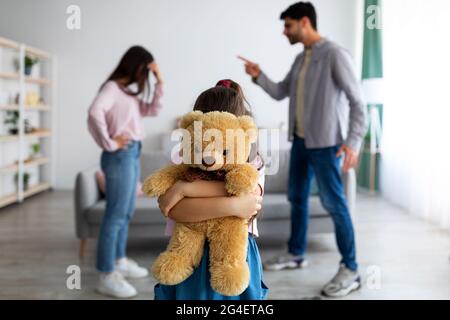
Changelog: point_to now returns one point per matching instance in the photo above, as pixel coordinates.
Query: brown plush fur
(227, 236)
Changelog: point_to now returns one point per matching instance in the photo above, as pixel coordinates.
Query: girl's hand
(247, 205)
(154, 68)
(172, 196)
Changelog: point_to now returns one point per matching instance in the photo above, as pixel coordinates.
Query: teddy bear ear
(189, 118)
(248, 125)
(246, 122)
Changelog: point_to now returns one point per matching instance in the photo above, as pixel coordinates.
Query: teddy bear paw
(230, 280)
(171, 269)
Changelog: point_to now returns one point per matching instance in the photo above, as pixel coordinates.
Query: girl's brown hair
(227, 96)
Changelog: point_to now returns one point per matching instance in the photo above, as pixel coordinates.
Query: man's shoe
(285, 261)
(343, 283)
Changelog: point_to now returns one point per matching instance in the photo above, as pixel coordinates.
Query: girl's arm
(203, 189)
(196, 189)
(200, 209)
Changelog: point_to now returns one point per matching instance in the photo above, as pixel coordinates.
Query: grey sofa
(149, 222)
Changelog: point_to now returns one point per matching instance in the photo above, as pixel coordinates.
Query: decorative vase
(28, 70)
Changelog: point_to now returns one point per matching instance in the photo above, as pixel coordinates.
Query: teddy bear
(227, 160)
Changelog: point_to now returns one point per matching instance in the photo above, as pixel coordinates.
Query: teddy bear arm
(241, 180)
(159, 182)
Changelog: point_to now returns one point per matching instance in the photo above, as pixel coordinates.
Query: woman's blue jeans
(325, 166)
(121, 169)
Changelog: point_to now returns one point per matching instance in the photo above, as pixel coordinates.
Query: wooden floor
(400, 257)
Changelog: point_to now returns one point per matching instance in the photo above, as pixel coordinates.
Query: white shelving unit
(17, 159)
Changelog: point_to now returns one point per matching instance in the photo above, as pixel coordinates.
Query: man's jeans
(121, 169)
(325, 166)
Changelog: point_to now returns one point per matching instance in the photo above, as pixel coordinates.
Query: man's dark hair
(299, 10)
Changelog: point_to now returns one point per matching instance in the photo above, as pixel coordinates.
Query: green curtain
(372, 74)
(372, 47)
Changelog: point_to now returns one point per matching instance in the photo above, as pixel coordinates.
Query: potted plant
(35, 150)
(25, 180)
(12, 117)
(29, 63)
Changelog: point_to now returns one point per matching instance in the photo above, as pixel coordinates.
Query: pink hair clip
(224, 83)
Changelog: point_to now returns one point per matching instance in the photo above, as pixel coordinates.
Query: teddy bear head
(216, 140)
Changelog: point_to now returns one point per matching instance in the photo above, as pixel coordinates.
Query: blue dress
(198, 287)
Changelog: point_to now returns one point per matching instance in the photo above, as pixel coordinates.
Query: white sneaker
(130, 269)
(343, 283)
(285, 261)
(114, 285)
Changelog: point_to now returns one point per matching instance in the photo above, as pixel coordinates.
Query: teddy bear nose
(208, 161)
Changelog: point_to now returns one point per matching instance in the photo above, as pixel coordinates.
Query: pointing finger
(245, 60)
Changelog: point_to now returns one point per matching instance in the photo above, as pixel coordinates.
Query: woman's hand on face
(154, 68)
(122, 141)
(249, 205)
(172, 196)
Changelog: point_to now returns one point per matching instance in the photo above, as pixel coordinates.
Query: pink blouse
(253, 227)
(114, 113)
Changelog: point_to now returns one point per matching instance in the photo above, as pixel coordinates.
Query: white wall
(195, 43)
(415, 172)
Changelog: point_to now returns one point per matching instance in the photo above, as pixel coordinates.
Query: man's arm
(345, 77)
(277, 90)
